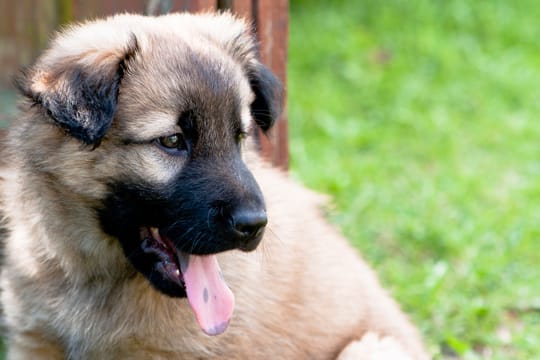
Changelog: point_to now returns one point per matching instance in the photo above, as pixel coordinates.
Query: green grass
(422, 120)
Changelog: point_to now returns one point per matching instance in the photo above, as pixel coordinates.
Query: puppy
(132, 203)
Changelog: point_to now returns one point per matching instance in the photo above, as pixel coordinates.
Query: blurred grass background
(421, 119)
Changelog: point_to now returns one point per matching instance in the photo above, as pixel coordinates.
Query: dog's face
(145, 119)
(185, 125)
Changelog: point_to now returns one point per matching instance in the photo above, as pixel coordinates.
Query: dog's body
(130, 140)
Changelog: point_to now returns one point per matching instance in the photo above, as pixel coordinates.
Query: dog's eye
(171, 141)
(241, 136)
(173, 144)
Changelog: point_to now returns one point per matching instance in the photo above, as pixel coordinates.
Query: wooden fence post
(272, 24)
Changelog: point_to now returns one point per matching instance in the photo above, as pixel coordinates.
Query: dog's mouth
(200, 276)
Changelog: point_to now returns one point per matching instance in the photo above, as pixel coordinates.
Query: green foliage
(421, 119)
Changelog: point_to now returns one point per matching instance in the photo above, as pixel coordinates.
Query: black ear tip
(268, 103)
(264, 113)
(266, 124)
(89, 136)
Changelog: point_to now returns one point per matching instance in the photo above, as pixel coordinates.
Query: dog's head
(146, 117)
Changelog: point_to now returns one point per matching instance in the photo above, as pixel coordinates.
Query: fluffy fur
(95, 103)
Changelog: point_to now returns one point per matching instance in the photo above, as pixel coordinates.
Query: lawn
(421, 119)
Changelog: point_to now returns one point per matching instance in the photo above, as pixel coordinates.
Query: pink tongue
(209, 296)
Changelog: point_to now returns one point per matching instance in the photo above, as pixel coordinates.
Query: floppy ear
(79, 91)
(268, 91)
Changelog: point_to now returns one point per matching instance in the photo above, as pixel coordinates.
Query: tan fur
(68, 290)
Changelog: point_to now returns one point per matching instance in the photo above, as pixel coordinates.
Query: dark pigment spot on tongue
(205, 295)
(218, 329)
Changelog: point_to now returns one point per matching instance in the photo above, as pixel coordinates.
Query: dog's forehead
(170, 77)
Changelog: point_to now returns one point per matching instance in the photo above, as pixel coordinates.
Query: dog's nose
(248, 223)
(248, 226)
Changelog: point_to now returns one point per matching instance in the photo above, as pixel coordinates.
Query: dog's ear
(78, 90)
(267, 106)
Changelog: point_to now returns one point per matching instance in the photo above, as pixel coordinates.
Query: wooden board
(272, 23)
